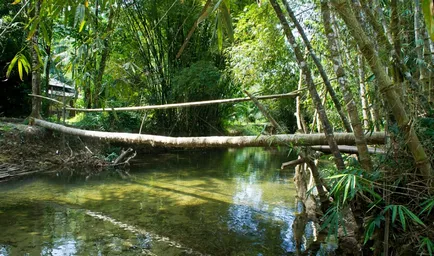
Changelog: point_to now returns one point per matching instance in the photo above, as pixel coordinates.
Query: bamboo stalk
(387, 88)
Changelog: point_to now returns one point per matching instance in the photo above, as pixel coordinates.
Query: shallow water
(225, 202)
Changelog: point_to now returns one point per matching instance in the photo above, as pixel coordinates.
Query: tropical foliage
(362, 66)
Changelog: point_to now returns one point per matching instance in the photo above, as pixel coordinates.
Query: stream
(218, 202)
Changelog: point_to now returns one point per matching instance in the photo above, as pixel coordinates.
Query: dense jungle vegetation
(361, 66)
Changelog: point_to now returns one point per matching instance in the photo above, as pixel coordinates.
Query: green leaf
(429, 205)
(227, 19)
(335, 176)
(426, 242)
(394, 212)
(25, 63)
(219, 34)
(347, 188)
(80, 13)
(401, 217)
(20, 69)
(413, 216)
(12, 64)
(82, 26)
(370, 78)
(16, 2)
(33, 28)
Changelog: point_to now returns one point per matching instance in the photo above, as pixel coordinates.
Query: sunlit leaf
(20, 69)
(82, 26)
(12, 64)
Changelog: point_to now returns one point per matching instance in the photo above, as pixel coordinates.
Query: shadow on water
(228, 202)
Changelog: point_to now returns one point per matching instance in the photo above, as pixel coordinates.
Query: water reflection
(229, 202)
(62, 246)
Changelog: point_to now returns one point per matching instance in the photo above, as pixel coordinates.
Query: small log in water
(214, 141)
(148, 235)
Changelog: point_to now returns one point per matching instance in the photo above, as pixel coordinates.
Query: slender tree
(36, 67)
(307, 76)
(321, 70)
(333, 47)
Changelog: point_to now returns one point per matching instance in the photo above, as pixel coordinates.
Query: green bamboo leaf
(413, 216)
(219, 34)
(429, 205)
(12, 64)
(216, 5)
(33, 27)
(44, 33)
(335, 176)
(20, 69)
(227, 18)
(394, 212)
(82, 26)
(347, 188)
(25, 63)
(79, 15)
(401, 217)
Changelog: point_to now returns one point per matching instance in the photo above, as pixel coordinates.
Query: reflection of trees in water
(249, 214)
(246, 200)
(63, 231)
(238, 186)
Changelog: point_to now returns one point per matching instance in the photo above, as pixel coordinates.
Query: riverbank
(29, 149)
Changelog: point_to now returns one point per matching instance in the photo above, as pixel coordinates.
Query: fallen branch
(47, 98)
(348, 149)
(123, 154)
(178, 105)
(292, 163)
(214, 141)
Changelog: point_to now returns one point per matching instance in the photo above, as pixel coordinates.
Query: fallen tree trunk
(214, 141)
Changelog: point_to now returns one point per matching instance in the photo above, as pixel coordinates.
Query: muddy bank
(29, 149)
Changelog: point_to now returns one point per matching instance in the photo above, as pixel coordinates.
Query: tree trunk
(321, 70)
(419, 42)
(36, 74)
(394, 28)
(328, 130)
(213, 141)
(362, 90)
(386, 87)
(333, 47)
(301, 124)
(374, 104)
(386, 42)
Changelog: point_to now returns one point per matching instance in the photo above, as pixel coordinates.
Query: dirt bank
(29, 149)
